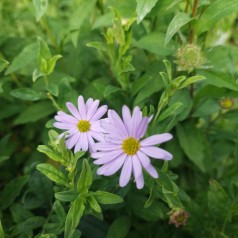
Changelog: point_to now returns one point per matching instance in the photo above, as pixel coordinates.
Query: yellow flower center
(83, 126)
(130, 146)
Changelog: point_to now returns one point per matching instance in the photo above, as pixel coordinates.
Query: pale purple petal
(73, 110)
(156, 152)
(126, 115)
(91, 144)
(92, 109)
(84, 141)
(107, 156)
(78, 145)
(152, 171)
(105, 146)
(137, 169)
(97, 136)
(142, 127)
(126, 172)
(156, 139)
(71, 141)
(140, 182)
(136, 120)
(116, 120)
(96, 126)
(144, 159)
(112, 167)
(64, 125)
(109, 128)
(99, 113)
(88, 103)
(66, 118)
(82, 107)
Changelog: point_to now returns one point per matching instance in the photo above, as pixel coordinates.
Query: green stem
(55, 104)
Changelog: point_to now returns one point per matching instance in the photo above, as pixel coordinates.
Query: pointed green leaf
(53, 174)
(107, 198)
(94, 204)
(59, 210)
(3, 64)
(43, 51)
(52, 63)
(66, 196)
(40, 8)
(170, 111)
(143, 8)
(85, 179)
(177, 22)
(73, 217)
(28, 94)
(191, 80)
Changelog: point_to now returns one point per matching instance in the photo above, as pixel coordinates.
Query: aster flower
(83, 126)
(124, 148)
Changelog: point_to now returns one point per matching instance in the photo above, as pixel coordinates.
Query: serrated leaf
(3, 64)
(143, 8)
(215, 12)
(28, 94)
(11, 190)
(40, 8)
(73, 217)
(107, 198)
(177, 22)
(53, 174)
(119, 228)
(85, 179)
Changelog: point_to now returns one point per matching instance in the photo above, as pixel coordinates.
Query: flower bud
(226, 103)
(189, 57)
(178, 217)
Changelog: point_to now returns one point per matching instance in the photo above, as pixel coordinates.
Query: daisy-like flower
(83, 126)
(124, 148)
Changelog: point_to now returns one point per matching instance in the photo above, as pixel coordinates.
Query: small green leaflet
(40, 8)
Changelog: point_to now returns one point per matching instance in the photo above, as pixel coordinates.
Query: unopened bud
(226, 103)
(178, 217)
(189, 57)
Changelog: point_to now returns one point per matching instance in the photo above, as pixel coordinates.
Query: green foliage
(176, 60)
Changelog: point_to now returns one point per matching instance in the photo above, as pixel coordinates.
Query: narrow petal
(144, 159)
(88, 103)
(96, 126)
(142, 127)
(71, 141)
(111, 129)
(66, 118)
(64, 125)
(78, 145)
(105, 157)
(84, 141)
(156, 139)
(126, 115)
(92, 109)
(112, 167)
(126, 172)
(105, 146)
(73, 110)
(91, 144)
(97, 136)
(140, 182)
(99, 113)
(81, 107)
(116, 120)
(136, 120)
(156, 152)
(152, 171)
(137, 168)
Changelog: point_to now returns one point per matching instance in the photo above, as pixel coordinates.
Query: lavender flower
(83, 126)
(123, 148)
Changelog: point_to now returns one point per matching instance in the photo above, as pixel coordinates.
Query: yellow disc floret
(83, 125)
(130, 146)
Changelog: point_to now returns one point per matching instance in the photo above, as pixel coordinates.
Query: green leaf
(215, 12)
(53, 174)
(170, 111)
(110, 90)
(59, 210)
(85, 179)
(97, 45)
(177, 22)
(191, 140)
(206, 108)
(1, 230)
(4, 158)
(107, 198)
(66, 196)
(51, 154)
(3, 64)
(143, 8)
(219, 79)
(26, 57)
(11, 191)
(34, 112)
(40, 8)
(94, 204)
(28, 94)
(28, 225)
(43, 53)
(191, 80)
(119, 228)
(19, 213)
(73, 217)
(52, 63)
